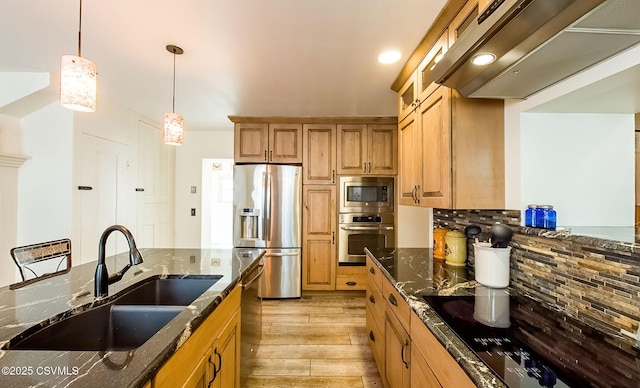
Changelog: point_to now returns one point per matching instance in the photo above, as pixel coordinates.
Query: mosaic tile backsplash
(595, 281)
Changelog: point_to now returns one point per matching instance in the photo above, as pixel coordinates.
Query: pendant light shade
(173, 122)
(78, 83)
(78, 79)
(173, 128)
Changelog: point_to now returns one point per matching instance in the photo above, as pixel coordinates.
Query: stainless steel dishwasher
(251, 321)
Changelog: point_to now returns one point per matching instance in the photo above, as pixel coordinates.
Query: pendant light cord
(173, 104)
(80, 31)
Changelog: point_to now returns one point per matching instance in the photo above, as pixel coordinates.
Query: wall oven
(365, 194)
(360, 230)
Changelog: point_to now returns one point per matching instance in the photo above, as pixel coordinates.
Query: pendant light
(173, 122)
(78, 79)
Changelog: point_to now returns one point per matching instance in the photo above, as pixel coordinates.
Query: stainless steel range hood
(537, 43)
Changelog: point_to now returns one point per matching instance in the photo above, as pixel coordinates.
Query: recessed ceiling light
(483, 59)
(388, 57)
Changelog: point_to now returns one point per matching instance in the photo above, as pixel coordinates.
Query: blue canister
(530, 216)
(538, 220)
(549, 218)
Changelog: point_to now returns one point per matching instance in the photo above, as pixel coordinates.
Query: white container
(492, 265)
(491, 307)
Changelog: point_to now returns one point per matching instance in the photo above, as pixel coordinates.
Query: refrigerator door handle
(280, 254)
(267, 207)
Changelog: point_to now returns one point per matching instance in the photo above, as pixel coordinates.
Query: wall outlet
(193, 212)
(193, 189)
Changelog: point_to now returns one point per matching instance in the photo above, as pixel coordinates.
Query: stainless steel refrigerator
(267, 213)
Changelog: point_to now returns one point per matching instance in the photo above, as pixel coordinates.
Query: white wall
(515, 108)
(582, 164)
(414, 227)
(217, 203)
(44, 190)
(197, 146)
(45, 193)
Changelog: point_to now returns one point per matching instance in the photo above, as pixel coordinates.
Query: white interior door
(102, 164)
(155, 185)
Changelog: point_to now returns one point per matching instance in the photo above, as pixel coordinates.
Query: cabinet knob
(393, 300)
(372, 299)
(373, 337)
(372, 271)
(351, 284)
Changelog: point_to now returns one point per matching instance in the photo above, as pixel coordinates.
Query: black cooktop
(529, 345)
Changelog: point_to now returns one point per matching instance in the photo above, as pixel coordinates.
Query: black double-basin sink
(124, 323)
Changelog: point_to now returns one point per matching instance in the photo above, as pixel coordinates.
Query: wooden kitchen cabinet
(367, 149)
(268, 143)
(319, 237)
(226, 355)
(467, 15)
(349, 277)
(452, 153)
(319, 152)
(397, 365)
(214, 344)
(434, 359)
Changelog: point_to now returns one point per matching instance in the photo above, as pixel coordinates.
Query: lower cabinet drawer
(397, 304)
(351, 282)
(376, 341)
(376, 303)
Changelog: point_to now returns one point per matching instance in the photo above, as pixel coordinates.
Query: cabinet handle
(333, 238)
(214, 372)
(406, 343)
(333, 176)
(373, 337)
(265, 155)
(351, 284)
(372, 299)
(369, 167)
(271, 156)
(372, 271)
(413, 194)
(392, 300)
(417, 198)
(364, 168)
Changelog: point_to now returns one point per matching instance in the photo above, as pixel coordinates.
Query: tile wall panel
(595, 281)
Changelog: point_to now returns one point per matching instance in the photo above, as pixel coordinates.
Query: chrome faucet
(102, 278)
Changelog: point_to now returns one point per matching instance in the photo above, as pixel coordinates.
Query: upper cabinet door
(467, 15)
(319, 162)
(408, 97)
(410, 161)
(368, 149)
(251, 142)
(285, 143)
(435, 182)
(383, 149)
(425, 82)
(352, 149)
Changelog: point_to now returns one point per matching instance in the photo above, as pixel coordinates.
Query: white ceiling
(242, 57)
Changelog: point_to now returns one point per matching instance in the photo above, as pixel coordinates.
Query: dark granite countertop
(42, 301)
(415, 273)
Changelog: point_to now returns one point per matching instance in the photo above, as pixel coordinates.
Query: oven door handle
(366, 227)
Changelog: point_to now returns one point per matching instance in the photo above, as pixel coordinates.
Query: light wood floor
(318, 340)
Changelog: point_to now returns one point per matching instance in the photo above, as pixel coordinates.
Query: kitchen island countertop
(599, 360)
(41, 302)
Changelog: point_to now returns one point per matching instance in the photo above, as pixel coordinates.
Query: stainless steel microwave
(365, 194)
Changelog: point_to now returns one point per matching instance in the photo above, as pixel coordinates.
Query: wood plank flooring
(318, 340)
